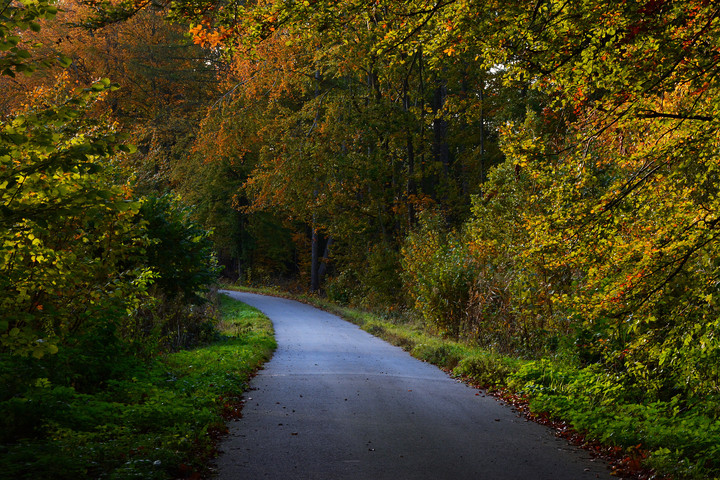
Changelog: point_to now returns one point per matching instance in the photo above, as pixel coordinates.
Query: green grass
(159, 421)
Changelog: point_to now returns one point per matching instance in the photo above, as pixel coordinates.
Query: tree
(357, 135)
(627, 188)
(76, 254)
(68, 236)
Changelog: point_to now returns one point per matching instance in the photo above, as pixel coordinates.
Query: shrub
(485, 369)
(438, 274)
(180, 251)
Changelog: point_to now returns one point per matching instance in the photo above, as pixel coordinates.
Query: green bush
(443, 355)
(438, 274)
(180, 251)
(681, 435)
(485, 369)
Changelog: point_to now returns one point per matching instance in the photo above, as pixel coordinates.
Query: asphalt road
(336, 403)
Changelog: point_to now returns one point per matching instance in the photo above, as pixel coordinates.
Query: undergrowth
(158, 420)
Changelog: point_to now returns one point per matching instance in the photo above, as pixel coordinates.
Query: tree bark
(322, 269)
(441, 149)
(314, 261)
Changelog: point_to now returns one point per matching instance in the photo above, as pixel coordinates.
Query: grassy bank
(677, 437)
(158, 421)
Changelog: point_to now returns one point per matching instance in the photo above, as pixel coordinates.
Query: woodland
(537, 179)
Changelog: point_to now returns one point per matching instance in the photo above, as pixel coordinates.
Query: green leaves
(17, 17)
(68, 237)
(179, 251)
(104, 84)
(614, 221)
(138, 413)
(439, 272)
(9, 42)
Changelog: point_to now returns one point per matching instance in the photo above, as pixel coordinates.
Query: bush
(438, 274)
(511, 307)
(487, 370)
(681, 435)
(180, 251)
(443, 355)
(151, 420)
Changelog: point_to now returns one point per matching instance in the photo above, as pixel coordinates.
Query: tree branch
(654, 114)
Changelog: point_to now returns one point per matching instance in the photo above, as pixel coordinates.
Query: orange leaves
(195, 31)
(209, 37)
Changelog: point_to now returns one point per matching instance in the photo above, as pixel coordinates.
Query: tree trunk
(314, 261)
(322, 269)
(441, 150)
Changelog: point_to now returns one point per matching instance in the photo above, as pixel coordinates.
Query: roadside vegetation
(154, 419)
(674, 437)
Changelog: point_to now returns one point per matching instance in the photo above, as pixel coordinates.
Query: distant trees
(347, 139)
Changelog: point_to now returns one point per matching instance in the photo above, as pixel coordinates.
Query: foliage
(625, 230)
(438, 272)
(179, 251)
(164, 80)
(512, 300)
(16, 18)
(156, 420)
(366, 277)
(76, 265)
(59, 191)
(593, 237)
(179, 254)
(679, 436)
(80, 249)
(337, 135)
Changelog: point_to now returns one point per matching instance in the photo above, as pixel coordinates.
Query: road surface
(336, 403)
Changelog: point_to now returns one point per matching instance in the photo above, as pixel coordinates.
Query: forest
(540, 180)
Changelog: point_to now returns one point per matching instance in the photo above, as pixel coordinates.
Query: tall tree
(627, 192)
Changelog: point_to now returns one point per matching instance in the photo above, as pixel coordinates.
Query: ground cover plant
(157, 419)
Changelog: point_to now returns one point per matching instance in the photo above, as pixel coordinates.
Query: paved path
(336, 403)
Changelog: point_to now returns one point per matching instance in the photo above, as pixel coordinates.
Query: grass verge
(160, 421)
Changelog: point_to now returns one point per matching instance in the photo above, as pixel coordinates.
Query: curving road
(336, 403)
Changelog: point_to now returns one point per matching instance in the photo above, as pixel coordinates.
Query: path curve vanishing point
(336, 403)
